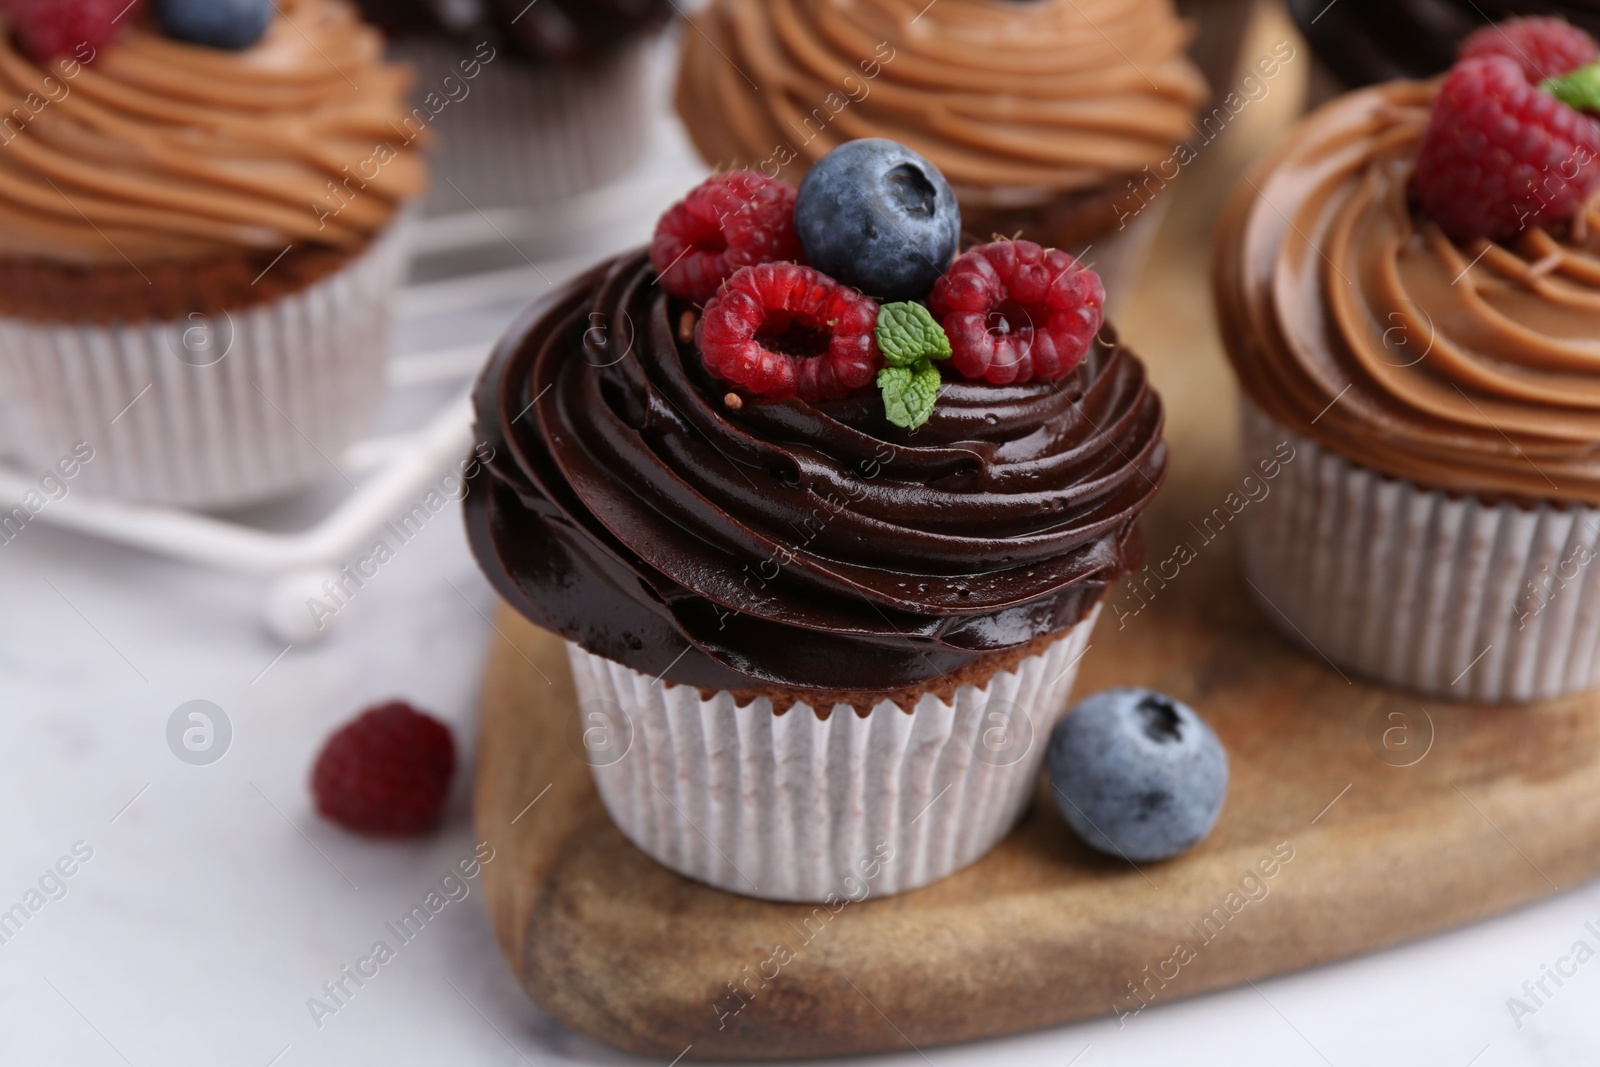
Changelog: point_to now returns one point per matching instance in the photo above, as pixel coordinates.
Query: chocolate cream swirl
(1368, 41)
(154, 150)
(549, 31)
(1353, 320)
(628, 508)
(1034, 98)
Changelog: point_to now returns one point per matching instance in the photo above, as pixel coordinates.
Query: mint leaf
(907, 333)
(1579, 89)
(909, 393)
(910, 339)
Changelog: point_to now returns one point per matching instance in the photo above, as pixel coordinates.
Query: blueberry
(231, 24)
(875, 215)
(1137, 774)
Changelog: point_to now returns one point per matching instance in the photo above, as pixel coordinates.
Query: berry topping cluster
(790, 283)
(1509, 145)
(50, 29)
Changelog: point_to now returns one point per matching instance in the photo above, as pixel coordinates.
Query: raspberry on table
(49, 29)
(1016, 312)
(732, 220)
(781, 330)
(1500, 155)
(1543, 46)
(386, 772)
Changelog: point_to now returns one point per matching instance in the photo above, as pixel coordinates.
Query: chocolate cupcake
(824, 623)
(199, 246)
(527, 103)
(1409, 290)
(1051, 127)
(1368, 41)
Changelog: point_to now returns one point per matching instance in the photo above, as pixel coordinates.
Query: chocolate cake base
(974, 672)
(40, 291)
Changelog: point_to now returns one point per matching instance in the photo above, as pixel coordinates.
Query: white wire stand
(388, 472)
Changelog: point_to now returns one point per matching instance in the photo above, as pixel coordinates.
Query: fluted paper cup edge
(796, 807)
(1439, 593)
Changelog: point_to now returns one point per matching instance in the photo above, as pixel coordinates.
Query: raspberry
(731, 220)
(1500, 155)
(1016, 312)
(1543, 47)
(48, 29)
(783, 330)
(386, 772)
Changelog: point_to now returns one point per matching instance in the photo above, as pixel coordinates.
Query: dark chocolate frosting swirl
(813, 546)
(564, 31)
(1368, 41)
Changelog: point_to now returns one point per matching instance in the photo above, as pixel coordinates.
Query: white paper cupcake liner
(210, 411)
(519, 135)
(796, 807)
(1434, 592)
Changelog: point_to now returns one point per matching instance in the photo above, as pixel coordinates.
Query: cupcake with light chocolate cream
(1409, 289)
(1049, 118)
(198, 241)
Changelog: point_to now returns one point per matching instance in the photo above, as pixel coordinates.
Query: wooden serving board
(1400, 817)
(1496, 810)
